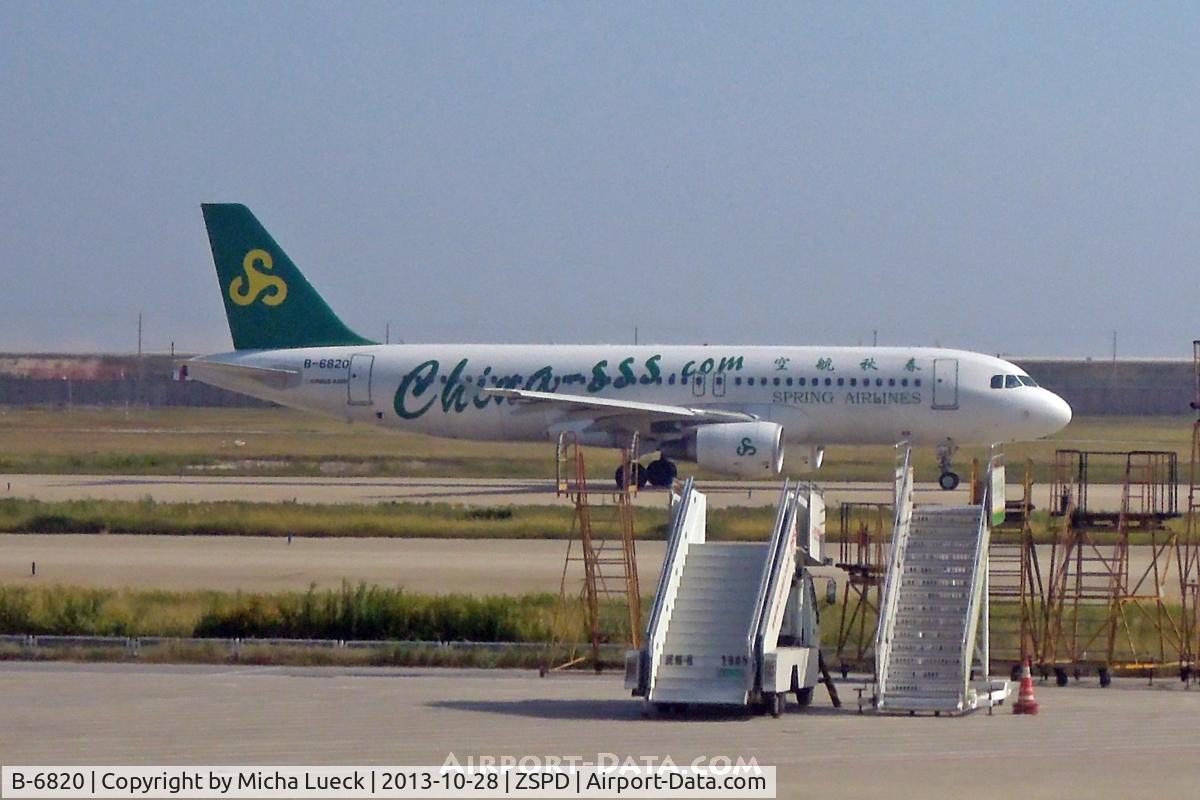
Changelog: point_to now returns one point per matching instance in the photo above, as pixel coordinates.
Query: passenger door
(945, 384)
(358, 387)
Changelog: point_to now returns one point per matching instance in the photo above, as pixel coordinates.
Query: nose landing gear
(948, 480)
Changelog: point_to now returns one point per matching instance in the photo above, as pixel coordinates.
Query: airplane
(729, 409)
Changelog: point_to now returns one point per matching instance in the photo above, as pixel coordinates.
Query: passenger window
(720, 381)
(916, 381)
(841, 381)
(789, 381)
(879, 381)
(777, 381)
(671, 380)
(737, 381)
(1011, 382)
(891, 381)
(904, 381)
(829, 381)
(854, 381)
(997, 381)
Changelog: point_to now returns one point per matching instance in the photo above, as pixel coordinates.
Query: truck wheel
(776, 702)
(804, 697)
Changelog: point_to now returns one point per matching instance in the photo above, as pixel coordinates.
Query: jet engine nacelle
(745, 449)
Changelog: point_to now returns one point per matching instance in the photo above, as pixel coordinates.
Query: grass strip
(398, 520)
(419, 521)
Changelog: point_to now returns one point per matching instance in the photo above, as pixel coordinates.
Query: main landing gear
(657, 473)
(948, 480)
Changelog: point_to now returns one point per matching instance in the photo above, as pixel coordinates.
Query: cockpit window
(1011, 381)
(1028, 381)
(997, 381)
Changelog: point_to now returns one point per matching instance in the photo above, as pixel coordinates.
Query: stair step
(699, 692)
(923, 538)
(930, 630)
(929, 584)
(944, 512)
(917, 686)
(926, 648)
(948, 597)
(920, 702)
(956, 571)
(938, 556)
(922, 662)
(948, 610)
(928, 620)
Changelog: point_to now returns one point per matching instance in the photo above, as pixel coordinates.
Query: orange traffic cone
(1026, 704)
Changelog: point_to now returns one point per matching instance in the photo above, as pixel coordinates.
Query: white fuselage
(819, 395)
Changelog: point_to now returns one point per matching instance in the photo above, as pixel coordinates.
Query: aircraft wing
(601, 407)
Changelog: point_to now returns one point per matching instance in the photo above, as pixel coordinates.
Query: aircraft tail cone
(1026, 704)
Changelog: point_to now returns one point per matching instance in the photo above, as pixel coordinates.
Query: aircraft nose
(1055, 412)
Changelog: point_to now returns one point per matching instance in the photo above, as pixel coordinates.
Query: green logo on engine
(747, 448)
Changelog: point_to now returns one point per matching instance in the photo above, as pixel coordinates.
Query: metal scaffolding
(1100, 611)
(602, 542)
(1015, 585)
(1189, 545)
(865, 529)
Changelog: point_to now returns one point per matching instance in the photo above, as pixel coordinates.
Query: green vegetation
(401, 520)
(351, 612)
(277, 442)
(408, 520)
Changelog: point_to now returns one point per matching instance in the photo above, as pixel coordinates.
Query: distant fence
(1136, 387)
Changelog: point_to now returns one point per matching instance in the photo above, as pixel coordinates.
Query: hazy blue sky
(1007, 178)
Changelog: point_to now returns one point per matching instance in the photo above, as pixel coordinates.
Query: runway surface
(468, 491)
(1125, 741)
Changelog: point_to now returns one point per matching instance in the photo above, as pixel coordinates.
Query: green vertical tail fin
(267, 300)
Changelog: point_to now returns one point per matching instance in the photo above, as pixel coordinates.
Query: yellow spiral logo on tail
(245, 289)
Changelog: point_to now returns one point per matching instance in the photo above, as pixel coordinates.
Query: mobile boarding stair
(933, 636)
(734, 624)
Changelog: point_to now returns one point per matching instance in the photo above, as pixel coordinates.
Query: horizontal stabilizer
(222, 374)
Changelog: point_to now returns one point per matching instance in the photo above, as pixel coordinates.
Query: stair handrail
(668, 582)
(768, 589)
(891, 585)
(978, 574)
